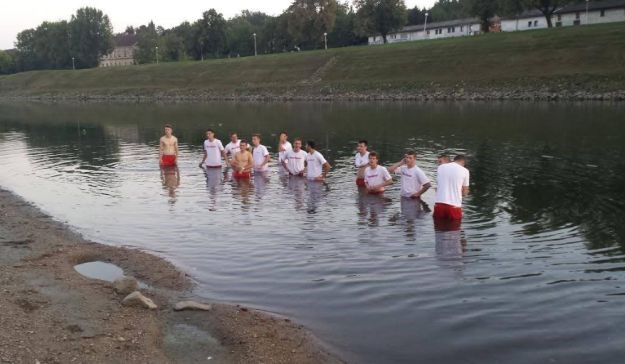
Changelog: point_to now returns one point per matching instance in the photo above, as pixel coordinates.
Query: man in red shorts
(168, 148)
(361, 161)
(452, 186)
(242, 162)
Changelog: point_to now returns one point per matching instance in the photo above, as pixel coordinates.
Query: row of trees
(305, 24)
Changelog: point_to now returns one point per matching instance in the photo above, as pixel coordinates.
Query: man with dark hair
(295, 159)
(376, 176)
(260, 155)
(213, 151)
(316, 165)
(443, 159)
(168, 147)
(233, 147)
(242, 162)
(452, 186)
(414, 182)
(361, 160)
(283, 146)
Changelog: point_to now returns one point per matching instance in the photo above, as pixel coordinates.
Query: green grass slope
(584, 58)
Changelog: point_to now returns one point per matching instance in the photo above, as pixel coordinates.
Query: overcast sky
(23, 14)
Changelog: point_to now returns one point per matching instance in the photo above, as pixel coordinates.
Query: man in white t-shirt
(361, 161)
(283, 146)
(317, 167)
(233, 147)
(376, 176)
(260, 154)
(414, 182)
(452, 185)
(213, 151)
(295, 159)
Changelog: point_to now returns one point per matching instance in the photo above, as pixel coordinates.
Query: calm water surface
(536, 275)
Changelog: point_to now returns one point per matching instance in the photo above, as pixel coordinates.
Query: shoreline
(53, 314)
(420, 95)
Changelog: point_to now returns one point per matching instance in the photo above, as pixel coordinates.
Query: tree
(447, 10)
(547, 7)
(483, 9)
(147, 41)
(309, 19)
(416, 16)
(91, 36)
(210, 34)
(8, 63)
(381, 16)
(240, 30)
(344, 33)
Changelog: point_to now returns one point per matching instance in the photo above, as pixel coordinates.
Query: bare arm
(392, 168)
(326, 169)
(388, 182)
(160, 148)
(176, 147)
(203, 159)
(424, 188)
(465, 191)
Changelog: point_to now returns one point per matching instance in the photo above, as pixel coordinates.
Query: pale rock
(125, 285)
(191, 305)
(136, 299)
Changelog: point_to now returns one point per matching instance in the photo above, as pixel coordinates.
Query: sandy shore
(52, 314)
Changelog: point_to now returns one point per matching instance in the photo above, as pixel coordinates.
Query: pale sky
(23, 14)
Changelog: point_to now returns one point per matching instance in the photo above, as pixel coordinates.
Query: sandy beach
(53, 314)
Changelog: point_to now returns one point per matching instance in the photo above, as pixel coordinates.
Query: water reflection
(371, 207)
(296, 186)
(214, 177)
(317, 192)
(170, 177)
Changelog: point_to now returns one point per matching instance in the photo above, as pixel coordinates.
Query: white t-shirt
(233, 148)
(412, 180)
(451, 177)
(259, 154)
(377, 176)
(213, 152)
(361, 160)
(295, 161)
(281, 155)
(314, 164)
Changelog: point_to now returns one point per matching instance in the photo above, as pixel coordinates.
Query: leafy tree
(448, 10)
(483, 9)
(91, 36)
(309, 19)
(240, 30)
(210, 33)
(276, 35)
(381, 16)
(344, 33)
(416, 16)
(547, 7)
(147, 41)
(171, 47)
(8, 63)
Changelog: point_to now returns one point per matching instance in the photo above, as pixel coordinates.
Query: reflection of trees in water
(548, 189)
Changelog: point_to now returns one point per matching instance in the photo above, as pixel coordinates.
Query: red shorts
(376, 192)
(168, 160)
(443, 211)
(360, 182)
(241, 175)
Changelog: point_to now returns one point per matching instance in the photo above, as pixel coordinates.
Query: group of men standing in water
(452, 176)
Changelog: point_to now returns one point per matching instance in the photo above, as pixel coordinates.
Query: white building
(590, 12)
(124, 52)
(444, 29)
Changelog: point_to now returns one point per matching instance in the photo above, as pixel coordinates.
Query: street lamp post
(156, 53)
(587, 2)
(255, 49)
(73, 63)
(325, 40)
(425, 25)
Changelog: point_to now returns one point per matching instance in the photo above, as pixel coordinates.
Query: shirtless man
(213, 151)
(260, 155)
(295, 159)
(242, 162)
(232, 148)
(168, 148)
(376, 176)
(317, 167)
(283, 146)
(414, 182)
(361, 160)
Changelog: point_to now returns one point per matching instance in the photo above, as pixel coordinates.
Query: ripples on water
(533, 276)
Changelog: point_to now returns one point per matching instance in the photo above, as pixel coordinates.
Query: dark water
(536, 275)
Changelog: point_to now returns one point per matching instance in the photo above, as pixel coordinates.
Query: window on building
(602, 13)
(404, 36)
(577, 15)
(559, 17)
(428, 32)
(535, 23)
(461, 28)
(529, 24)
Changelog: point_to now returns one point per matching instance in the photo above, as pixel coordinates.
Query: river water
(536, 274)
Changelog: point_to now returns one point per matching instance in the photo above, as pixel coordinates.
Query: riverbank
(53, 314)
(569, 63)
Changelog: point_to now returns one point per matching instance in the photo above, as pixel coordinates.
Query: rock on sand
(191, 305)
(125, 285)
(136, 299)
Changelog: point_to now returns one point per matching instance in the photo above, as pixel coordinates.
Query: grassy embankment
(589, 59)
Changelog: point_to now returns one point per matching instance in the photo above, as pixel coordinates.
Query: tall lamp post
(425, 25)
(255, 49)
(74, 63)
(156, 53)
(587, 3)
(325, 40)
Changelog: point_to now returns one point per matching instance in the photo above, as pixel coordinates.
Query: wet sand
(52, 314)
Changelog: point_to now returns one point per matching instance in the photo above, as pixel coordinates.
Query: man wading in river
(361, 161)
(242, 162)
(168, 148)
(452, 186)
